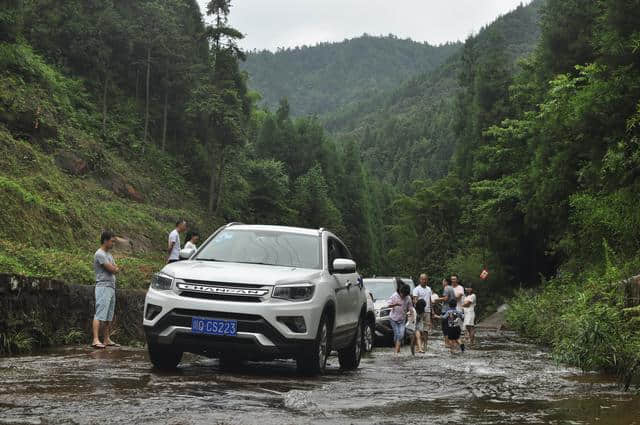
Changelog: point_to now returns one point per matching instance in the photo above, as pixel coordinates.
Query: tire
(164, 358)
(349, 357)
(368, 337)
(314, 360)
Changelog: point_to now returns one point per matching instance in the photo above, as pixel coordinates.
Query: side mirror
(185, 254)
(344, 265)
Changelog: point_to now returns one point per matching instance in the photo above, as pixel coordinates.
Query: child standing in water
(411, 327)
(454, 319)
(399, 304)
(421, 306)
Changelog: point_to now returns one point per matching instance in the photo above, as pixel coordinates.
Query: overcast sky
(269, 24)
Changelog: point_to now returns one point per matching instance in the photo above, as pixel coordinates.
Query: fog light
(152, 311)
(295, 323)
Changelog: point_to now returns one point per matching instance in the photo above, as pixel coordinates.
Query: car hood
(238, 273)
(380, 304)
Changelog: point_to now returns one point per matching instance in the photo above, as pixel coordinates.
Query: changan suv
(255, 292)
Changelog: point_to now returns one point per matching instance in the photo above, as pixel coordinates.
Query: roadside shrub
(582, 318)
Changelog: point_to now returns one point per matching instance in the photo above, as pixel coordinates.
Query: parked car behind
(382, 288)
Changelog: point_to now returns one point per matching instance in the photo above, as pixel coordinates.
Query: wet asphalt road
(504, 380)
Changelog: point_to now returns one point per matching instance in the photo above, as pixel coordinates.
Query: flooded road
(504, 380)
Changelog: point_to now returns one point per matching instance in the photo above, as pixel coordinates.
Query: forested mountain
(319, 79)
(544, 183)
(408, 133)
(130, 114)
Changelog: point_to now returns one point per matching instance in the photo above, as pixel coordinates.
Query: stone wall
(631, 291)
(46, 312)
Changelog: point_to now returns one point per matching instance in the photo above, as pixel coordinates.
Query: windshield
(381, 289)
(264, 247)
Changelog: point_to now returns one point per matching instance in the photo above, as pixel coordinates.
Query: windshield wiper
(210, 259)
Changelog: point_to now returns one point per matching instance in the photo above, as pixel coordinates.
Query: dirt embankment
(38, 313)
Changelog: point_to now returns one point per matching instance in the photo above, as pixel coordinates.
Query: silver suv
(259, 292)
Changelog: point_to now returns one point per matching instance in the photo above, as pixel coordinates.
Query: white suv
(259, 292)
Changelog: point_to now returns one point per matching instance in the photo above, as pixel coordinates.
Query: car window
(381, 289)
(336, 250)
(275, 248)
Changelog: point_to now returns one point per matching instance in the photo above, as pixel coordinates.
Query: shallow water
(503, 380)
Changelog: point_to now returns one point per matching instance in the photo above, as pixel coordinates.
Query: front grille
(205, 296)
(225, 284)
(188, 313)
(223, 291)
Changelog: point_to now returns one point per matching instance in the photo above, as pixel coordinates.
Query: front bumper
(259, 335)
(256, 338)
(383, 328)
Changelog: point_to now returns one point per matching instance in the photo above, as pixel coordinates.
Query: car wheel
(349, 357)
(367, 338)
(314, 360)
(164, 358)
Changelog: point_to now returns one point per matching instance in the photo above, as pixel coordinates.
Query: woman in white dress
(469, 309)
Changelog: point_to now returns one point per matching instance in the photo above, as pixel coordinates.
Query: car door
(342, 283)
(354, 290)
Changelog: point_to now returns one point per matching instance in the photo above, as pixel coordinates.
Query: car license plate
(200, 325)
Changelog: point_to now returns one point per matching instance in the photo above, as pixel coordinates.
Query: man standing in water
(458, 290)
(423, 292)
(174, 241)
(105, 269)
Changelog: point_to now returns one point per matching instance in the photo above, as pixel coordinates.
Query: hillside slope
(317, 80)
(60, 186)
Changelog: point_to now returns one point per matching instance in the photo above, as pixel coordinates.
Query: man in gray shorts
(105, 268)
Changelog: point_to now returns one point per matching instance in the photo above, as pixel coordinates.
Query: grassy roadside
(583, 320)
(62, 183)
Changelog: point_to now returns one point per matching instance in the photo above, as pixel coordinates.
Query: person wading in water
(105, 270)
(448, 294)
(469, 309)
(399, 303)
(423, 292)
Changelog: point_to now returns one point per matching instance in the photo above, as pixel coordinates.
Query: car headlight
(161, 281)
(383, 312)
(294, 291)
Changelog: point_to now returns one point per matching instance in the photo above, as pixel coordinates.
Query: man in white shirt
(423, 292)
(174, 241)
(459, 291)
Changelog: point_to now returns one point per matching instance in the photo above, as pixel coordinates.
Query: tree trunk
(212, 184)
(219, 182)
(146, 109)
(164, 120)
(137, 84)
(104, 104)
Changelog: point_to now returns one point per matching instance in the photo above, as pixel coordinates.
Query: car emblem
(221, 290)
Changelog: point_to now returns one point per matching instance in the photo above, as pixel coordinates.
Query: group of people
(105, 270)
(413, 313)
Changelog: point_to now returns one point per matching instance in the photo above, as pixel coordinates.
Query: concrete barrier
(48, 311)
(631, 291)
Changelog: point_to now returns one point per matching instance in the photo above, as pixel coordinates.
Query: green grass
(52, 220)
(583, 320)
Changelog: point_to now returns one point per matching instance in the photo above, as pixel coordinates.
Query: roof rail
(233, 223)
